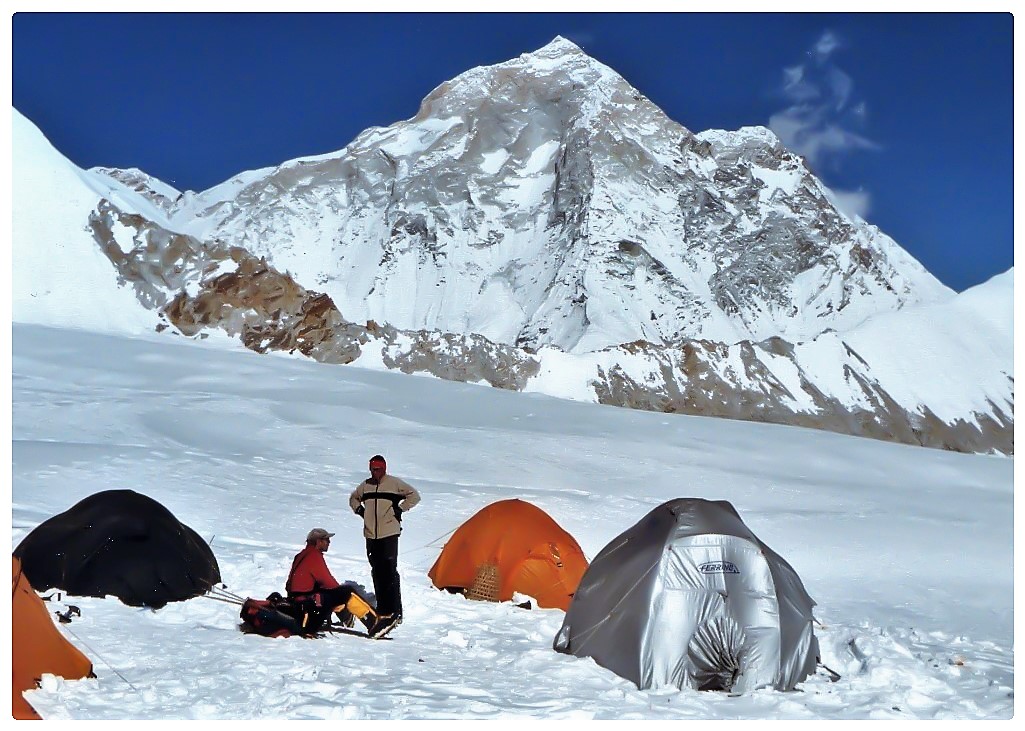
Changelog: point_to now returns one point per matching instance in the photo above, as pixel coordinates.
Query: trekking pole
(225, 600)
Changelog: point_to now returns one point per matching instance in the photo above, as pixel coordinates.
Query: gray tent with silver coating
(689, 597)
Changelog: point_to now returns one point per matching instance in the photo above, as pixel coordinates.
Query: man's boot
(384, 624)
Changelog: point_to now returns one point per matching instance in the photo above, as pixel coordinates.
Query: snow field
(252, 451)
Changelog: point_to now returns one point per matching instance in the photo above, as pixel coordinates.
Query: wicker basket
(485, 584)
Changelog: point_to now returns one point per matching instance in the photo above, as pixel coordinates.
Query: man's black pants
(383, 554)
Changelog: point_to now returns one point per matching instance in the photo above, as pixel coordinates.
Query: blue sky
(908, 116)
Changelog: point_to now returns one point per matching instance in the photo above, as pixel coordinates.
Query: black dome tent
(123, 544)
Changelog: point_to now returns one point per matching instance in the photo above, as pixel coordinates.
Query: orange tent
(37, 645)
(511, 546)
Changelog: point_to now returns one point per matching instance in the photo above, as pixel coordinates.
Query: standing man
(381, 500)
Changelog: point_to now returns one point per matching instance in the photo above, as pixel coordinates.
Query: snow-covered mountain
(59, 274)
(539, 226)
(545, 201)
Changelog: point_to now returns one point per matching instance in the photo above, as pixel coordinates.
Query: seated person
(312, 588)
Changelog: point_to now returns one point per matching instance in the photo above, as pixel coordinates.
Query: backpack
(278, 616)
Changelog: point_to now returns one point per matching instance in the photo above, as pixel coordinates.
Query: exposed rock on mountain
(197, 287)
(156, 191)
(738, 382)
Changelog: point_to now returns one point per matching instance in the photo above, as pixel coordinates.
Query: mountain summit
(539, 225)
(546, 202)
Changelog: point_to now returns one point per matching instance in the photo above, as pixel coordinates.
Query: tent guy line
(94, 653)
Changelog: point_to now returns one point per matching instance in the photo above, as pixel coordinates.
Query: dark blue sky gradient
(196, 98)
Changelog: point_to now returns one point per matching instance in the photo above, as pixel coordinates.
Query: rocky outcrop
(199, 287)
(155, 191)
(702, 378)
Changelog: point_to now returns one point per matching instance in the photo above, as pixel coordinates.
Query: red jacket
(309, 573)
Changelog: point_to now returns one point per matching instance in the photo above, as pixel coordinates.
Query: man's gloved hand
(398, 513)
(360, 510)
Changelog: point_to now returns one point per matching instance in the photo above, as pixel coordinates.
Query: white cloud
(804, 130)
(841, 86)
(795, 87)
(825, 45)
(824, 116)
(853, 203)
(821, 119)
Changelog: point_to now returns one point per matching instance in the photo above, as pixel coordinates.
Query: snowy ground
(907, 551)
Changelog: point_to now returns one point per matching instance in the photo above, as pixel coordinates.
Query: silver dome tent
(689, 597)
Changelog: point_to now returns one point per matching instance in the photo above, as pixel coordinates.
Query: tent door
(715, 618)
